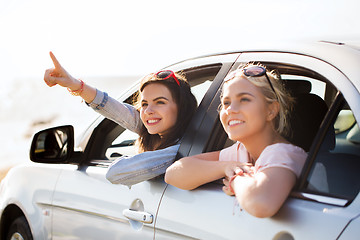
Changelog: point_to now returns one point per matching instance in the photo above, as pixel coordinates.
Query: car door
(86, 206)
(313, 211)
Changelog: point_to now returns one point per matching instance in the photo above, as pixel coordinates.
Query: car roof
(344, 55)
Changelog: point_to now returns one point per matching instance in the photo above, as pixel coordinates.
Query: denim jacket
(141, 167)
(123, 114)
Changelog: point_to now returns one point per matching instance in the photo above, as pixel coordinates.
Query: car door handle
(139, 216)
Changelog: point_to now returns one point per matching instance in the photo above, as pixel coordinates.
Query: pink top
(276, 155)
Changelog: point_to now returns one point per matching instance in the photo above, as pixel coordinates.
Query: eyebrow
(155, 99)
(244, 93)
(241, 94)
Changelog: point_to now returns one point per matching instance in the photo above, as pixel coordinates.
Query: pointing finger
(55, 61)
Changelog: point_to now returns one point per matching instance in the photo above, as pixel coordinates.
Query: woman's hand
(58, 75)
(232, 171)
(226, 188)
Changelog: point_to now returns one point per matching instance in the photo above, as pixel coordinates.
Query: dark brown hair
(186, 104)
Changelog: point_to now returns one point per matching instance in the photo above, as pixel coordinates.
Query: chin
(234, 137)
(153, 133)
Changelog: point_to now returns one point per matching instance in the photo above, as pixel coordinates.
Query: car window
(335, 171)
(317, 87)
(123, 145)
(200, 80)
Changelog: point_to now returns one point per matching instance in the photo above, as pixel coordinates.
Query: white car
(65, 195)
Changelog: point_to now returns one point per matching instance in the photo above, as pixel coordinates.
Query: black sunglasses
(252, 71)
(257, 71)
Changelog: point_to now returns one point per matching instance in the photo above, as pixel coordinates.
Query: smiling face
(158, 109)
(245, 114)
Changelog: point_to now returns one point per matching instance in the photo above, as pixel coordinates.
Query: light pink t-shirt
(276, 155)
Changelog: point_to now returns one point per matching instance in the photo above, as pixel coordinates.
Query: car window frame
(330, 97)
(302, 188)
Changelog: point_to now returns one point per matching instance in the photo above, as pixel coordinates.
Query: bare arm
(58, 75)
(263, 193)
(191, 172)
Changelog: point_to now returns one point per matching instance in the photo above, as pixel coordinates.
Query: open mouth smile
(153, 121)
(235, 122)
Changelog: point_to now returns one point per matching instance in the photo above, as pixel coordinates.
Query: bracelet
(232, 179)
(79, 91)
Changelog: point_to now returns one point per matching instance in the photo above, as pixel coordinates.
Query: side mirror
(53, 145)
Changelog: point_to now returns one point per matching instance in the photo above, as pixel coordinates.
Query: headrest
(305, 120)
(354, 134)
(296, 87)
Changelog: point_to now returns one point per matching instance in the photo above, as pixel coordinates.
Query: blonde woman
(261, 168)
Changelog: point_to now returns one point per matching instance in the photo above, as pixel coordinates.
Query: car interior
(337, 162)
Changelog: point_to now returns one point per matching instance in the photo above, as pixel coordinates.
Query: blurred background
(111, 43)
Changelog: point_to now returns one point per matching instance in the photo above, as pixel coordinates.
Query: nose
(232, 108)
(149, 110)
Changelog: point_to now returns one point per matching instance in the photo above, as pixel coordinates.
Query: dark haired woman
(164, 107)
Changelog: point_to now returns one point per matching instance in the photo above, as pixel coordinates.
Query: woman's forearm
(263, 194)
(88, 93)
(191, 172)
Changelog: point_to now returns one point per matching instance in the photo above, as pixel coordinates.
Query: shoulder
(282, 155)
(285, 148)
(237, 153)
(228, 153)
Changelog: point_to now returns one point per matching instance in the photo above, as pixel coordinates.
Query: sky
(116, 37)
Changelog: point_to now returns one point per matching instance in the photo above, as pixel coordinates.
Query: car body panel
(294, 219)
(31, 194)
(351, 230)
(99, 207)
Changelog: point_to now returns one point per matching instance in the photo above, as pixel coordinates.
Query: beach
(29, 105)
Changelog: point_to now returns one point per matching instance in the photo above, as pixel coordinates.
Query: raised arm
(191, 172)
(124, 114)
(59, 76)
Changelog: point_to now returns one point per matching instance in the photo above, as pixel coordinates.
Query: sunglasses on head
(252, 71)
(165, 74)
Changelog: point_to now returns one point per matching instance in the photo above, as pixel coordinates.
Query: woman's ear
(274, 109)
